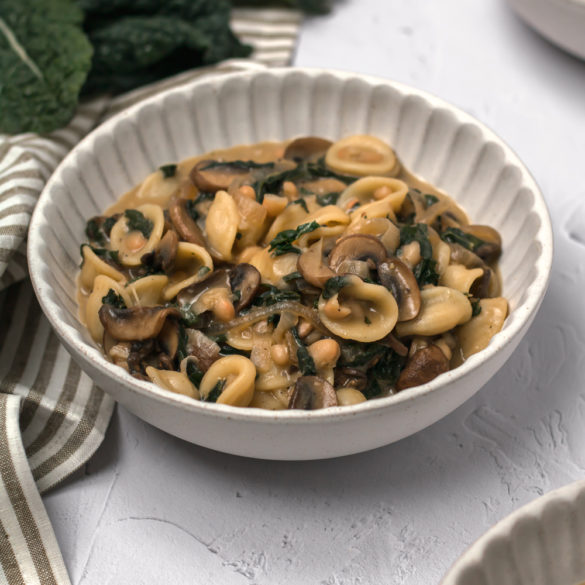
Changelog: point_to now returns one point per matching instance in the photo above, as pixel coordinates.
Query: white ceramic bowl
(542, 543)
(436, 140)
(560, 21)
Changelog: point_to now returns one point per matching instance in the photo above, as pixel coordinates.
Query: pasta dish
(304, 275)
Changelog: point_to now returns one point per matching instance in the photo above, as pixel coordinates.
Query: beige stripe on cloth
(52, 416)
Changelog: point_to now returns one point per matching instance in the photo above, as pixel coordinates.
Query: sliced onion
(261, 313)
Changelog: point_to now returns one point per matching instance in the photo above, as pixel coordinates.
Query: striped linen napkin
(52, 416)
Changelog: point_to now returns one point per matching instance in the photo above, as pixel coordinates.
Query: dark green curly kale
(44, 60)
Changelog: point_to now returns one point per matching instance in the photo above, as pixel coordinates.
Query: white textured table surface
(152, 509)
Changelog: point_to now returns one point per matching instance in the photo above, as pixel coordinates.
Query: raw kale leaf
(282, 243)
(306, 362)
(114, 299)
(44, 60)
(137, 222)
(168, 171)
(457, 236)
(311, 6)
(139, 42)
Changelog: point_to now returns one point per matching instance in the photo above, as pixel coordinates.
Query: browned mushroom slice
(167, 250)
(312, 393)
(211, 175)
(425, 365)
(350, 377)
(491, 248)
(202, 349)
(244, 282)
(307, 148)
(310, 265)
(186, 227)
(395, 344)
(136, 323)
(399, 279)
(412, 206)
(461, 255)
(359, 247)
(168, 338)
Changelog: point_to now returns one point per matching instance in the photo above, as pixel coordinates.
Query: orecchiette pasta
(304, 274)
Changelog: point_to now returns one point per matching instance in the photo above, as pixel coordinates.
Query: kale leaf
(384, 373)
(242, 165)
(333, 286)
(137, 221)
(98, 229)
(168, 171)
(215, 392)
(306, 362)
(103, 253)
(282, 243)
(475, 307)
(274, 295)
(194, 374)
(430, 200)
(300, 202)
(310, 6)
(328, 198)
(44, 60)
(425, 271)
(304, 171)
(138, 42)
(114, 299)
(457, 236)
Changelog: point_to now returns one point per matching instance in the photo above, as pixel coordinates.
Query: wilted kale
(425, 271)
(168, 171)
(300, 202)
(98, 229)
(475, 307)
(274, 295)
(384, 373)
(328, 198)
(243, 165)
(215, 392)
(282, 243)
(44, 60)
(103, 253)
(304, 171)
(430, 200)
(137, 221)
(457, 236)
(194, 374)
(114, 299)
(306, 362)
(292, 276)
(333, 286)
(138, 42)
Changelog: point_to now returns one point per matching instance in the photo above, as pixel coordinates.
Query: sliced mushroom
(136, 323)
(168, 338)
(425, 365)
(399, 279)
(167, 250)
(310, 265)
(461, 255)
(412, 206)
(186, 227)
(245, 280)
(395, 344)
(491, 248)
(351, 377)
(312, 393)
(216, 279)
(202, 349)
(307, 148)
(207, 175)
(357, 247)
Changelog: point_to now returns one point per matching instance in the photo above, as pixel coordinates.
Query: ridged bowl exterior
(435, 140)
(543, 543)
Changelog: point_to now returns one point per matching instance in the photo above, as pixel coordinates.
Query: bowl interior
(438, 142)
